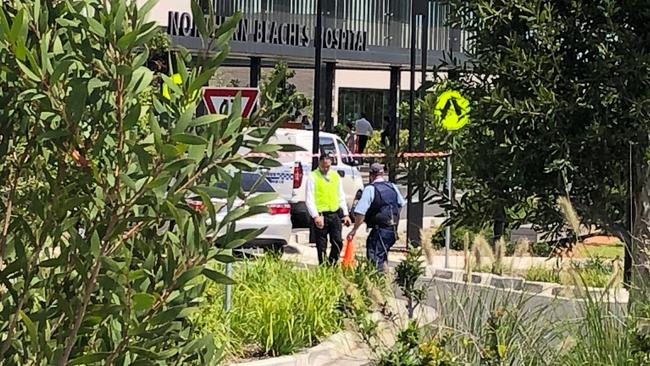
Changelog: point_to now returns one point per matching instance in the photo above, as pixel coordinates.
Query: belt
(329, 213)
(391, 227)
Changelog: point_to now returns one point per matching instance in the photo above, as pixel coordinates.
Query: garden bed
(280, 309)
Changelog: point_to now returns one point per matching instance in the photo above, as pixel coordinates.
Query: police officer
(326, 204)
(379, 207)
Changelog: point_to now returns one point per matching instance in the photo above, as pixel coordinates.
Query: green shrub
(457, 237)
(541, 249)
(542, 274)
(376, 146)
(277, 309)
(594, 272)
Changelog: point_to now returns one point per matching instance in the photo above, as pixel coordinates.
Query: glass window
(327, 146)
(353, 102)
(342, 148)
(248, 181)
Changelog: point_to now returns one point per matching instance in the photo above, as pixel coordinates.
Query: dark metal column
(330, 77)
(255, 72)
(412, 234)
(393, 114)
(318, 44)
(418, 208)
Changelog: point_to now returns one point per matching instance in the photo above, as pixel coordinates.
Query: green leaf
(145, 8)
(189, 139)
(61, 69)
(28, 72)
(31, 329)
(53, 135)
(224, 258)
(76, 100)
(178, 164)
(202, 80)
(208, 119)
(4, 24)
(184, 121)
(110, 264)
(187, 276)
(157, 132)
(213, 192)
(132, 116)
(167, 315)
(143, 301)
(96, 27)
(18, 20)
(95, 244)
(267, 148)
(291, 148)
(199, 20)
(217, 277)
(158, 182)
(140, 80)
(128, 181)
(90, 358)
(261, 198)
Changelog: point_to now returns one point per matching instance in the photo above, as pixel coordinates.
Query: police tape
(306, 154)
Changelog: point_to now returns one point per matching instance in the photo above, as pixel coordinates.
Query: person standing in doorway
(385, 132)
(364, 132)
(325, 200)
(379, 207)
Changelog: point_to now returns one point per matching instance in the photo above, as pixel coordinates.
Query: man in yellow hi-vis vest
(326, 204)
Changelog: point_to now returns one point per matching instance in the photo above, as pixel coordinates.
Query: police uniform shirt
(368, 196)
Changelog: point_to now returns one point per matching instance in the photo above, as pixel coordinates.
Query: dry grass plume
(570, 215)
(427, 246)
(481, 249)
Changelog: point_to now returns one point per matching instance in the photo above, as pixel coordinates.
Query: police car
(290, 179)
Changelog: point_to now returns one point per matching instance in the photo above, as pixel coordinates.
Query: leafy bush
(277, 309)
(541, 249)
(376, 146)
(412, 349)
(594, 272)
(542, 274)
(89, 271)
(457, 237)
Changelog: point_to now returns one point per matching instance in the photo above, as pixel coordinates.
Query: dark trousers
(333, 228)
(378, 244)
(363, 141)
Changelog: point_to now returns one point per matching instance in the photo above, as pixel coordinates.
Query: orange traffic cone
(348, 255)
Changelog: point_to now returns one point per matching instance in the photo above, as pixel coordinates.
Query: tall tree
(560, 93)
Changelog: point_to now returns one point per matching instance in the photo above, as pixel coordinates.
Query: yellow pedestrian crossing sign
(452, 110)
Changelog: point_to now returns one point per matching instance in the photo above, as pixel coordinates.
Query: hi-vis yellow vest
(326, 193)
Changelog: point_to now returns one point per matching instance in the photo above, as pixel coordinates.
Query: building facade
(366, 46)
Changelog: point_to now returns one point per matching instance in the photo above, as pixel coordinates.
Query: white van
(290, 179)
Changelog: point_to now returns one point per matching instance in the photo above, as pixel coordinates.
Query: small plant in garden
(542, 274)
(411, 349)
(493, 351)
(407, 274)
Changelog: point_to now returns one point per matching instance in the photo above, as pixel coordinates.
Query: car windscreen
(248, 181)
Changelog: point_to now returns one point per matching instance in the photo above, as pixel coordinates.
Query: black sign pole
(418, 215)
(409, 175)
(318, 44)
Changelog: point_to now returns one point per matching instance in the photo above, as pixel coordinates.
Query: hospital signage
(272, 32)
